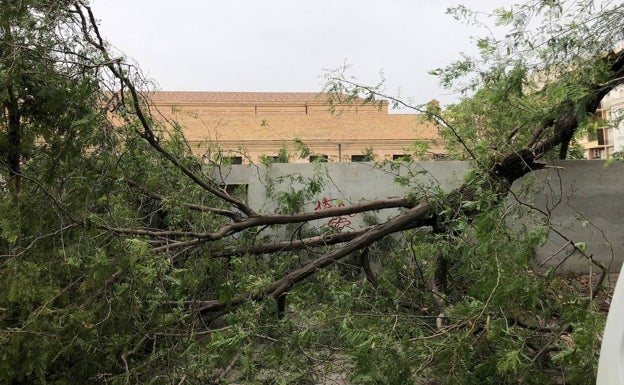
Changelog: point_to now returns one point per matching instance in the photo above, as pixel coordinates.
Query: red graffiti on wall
(339, 222)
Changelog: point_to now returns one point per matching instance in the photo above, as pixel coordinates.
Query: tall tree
(43, 93)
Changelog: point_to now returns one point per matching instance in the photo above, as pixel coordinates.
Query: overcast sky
(285, 45)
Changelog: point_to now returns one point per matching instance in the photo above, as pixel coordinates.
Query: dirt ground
(586, 286)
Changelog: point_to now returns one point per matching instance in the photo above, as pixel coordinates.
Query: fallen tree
(160, 266)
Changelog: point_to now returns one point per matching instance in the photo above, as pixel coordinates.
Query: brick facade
(251, 124)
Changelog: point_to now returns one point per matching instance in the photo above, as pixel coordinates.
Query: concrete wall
(586, 203)
(584, 199)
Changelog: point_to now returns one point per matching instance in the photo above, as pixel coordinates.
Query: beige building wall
(252, 124)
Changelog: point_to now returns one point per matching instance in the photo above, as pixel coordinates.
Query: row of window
(323, 158)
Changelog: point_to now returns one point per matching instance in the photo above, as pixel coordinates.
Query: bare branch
(236, 217)
(148, 134)
(439, 119)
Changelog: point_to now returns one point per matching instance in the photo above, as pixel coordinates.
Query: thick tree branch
(501, 176)
(263, 220)
(418, 216)
(565, 125)
(294, 244)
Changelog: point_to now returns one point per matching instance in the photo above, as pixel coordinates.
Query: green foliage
(520, 81)
(89, 295)
(283, 156)
(301, 149)
(297, 190)
(618, 156)
(369, 154)
(576, 150)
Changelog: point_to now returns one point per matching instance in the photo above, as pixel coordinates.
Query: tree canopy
(123, 259)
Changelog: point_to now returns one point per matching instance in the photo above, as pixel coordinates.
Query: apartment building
(246, 127)
(610, 138)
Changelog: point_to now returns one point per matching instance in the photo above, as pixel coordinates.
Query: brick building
(247, 125)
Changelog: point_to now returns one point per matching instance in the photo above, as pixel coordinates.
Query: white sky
(285, 45)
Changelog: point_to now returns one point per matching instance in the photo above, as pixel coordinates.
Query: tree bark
(14, 139)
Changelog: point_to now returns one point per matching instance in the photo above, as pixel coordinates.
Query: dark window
(358, 158)
(277, 159)
(233, 159)
(238, 191)
(319, 158)
(440, 156)
(601, 137)
(402, 157)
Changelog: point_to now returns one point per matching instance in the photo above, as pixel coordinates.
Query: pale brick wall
(261, 123)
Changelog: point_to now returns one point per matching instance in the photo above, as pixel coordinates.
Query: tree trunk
(14, 139)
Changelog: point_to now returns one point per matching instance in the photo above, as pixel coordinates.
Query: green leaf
(581, 246)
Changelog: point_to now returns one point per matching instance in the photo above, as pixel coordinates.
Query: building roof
(238, 97)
